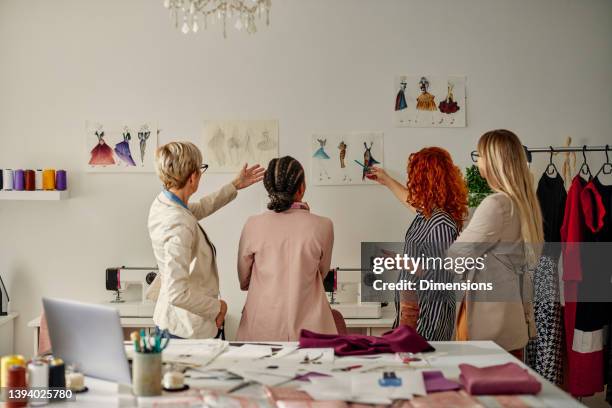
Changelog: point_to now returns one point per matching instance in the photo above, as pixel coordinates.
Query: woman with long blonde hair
(506, 229)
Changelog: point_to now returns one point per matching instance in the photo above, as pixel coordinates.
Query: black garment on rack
(544, 353)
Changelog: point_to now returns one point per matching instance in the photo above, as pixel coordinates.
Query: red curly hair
(434, 181)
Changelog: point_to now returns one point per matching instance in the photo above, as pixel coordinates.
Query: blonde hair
(505, 165)
(175, 162)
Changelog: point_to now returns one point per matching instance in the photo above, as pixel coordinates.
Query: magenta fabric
(436, 382)
(403, 339)
(503, 379)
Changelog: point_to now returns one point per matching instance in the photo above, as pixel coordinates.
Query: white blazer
(187, 287)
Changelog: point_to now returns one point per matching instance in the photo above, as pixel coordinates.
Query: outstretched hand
(248, 176)
(379, 175)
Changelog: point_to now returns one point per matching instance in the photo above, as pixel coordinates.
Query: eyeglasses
(203, 168)
(475, 156)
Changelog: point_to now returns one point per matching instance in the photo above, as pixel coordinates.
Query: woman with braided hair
(283, 257)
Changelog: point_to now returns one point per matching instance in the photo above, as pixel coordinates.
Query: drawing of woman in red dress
(102, 154)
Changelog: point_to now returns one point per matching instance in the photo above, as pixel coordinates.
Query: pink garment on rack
(403, 339)
(503, 379)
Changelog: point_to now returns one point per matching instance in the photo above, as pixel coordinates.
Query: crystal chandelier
(192, 15)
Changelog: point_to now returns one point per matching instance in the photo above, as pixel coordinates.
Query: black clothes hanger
(551, 169)
(607, 166)
(585, 170)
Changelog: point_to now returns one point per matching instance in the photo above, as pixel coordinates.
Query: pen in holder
(147, 374)
(147, 363)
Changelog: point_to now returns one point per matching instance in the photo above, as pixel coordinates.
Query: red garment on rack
(585, 374)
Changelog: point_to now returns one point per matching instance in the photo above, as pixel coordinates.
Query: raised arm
(212, 202)
(399, 190)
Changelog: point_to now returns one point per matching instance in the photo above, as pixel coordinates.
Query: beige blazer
(495, 230)
(282, 261)
(187, 286)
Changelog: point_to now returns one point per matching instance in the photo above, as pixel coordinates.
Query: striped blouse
(431, 237)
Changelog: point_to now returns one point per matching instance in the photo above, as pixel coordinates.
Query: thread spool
(18, 180)
(57, 373)
(16, 380)
(30, 180)
(48, 179)
(7, 176)
(38, 179)
(5, 363)
(38, 378)
(76, 381)
(60, 180)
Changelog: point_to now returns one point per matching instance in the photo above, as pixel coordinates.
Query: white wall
(541, 68)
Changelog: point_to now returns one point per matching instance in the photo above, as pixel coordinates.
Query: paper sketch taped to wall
(122, 149)
(348, 163)
(322, 158)
(101, 157)
(230, 144)
(417, 96)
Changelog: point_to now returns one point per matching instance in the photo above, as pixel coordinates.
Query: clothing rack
(565, 149)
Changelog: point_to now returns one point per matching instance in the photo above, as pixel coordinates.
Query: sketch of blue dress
(320, 153)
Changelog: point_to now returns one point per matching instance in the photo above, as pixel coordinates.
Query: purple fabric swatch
(436, 382)
(403, 339)
(503, 379)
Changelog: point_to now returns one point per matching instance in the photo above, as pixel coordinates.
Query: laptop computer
(90, 336)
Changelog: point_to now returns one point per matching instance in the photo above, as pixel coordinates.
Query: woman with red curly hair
(436, 191)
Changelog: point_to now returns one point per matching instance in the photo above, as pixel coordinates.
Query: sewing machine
(344, 295)
(130, 285)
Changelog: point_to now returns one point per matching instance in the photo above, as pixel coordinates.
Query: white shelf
(53, 195)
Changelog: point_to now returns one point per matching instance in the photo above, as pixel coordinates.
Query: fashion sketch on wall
(344, 158)
(227, 145)
(429, 101)
(120, 147)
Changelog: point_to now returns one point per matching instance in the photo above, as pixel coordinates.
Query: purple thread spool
(18, 180)
(60, 180)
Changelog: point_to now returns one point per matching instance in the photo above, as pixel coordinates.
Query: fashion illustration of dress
(143, 136)
(320, 153)
(449, 105)
(342, 147)
(400, 99)
(102, 154)
(368, 159)
(321, 156)
(122, 149)
(425, 101)
(216, 144)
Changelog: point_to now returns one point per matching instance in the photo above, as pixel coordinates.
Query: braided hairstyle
(282, 179)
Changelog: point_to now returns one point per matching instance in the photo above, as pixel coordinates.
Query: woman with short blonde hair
(186, 289)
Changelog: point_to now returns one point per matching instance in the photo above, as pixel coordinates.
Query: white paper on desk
(319, 355)
(199, 352)
(247, 351)
(340, 388)
(412, 384)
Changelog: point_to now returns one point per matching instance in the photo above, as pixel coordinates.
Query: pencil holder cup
(147, 374)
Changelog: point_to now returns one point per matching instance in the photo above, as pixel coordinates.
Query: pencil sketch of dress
(234, 145)
(217, 146)
(122, 149)
(143, 136)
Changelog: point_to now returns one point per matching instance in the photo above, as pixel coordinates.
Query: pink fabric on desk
(509, 378)
(403, 339)
(436, 382)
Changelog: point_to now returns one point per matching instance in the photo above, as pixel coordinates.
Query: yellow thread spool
(48, 177)
(5, 363)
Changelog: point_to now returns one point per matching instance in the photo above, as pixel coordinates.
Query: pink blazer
(282, 260)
